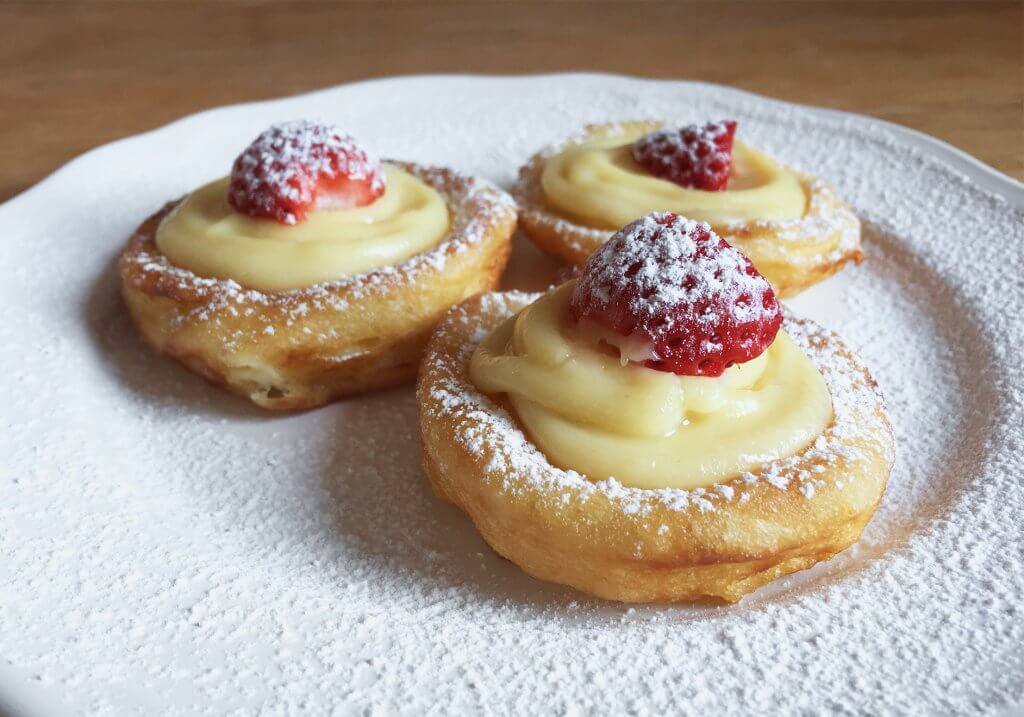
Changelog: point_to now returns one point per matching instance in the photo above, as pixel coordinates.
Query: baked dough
(304, 348)
(649, 545)
(767, 243)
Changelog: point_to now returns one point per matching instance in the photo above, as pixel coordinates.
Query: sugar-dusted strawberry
(697, 156)
(699, 303)
(297, 166)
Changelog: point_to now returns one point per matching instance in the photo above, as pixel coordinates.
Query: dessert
(658, 429)
(792, 225)
(314, 271)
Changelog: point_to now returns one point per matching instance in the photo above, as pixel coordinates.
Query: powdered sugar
(675, 272)
(695, 156)
(278, 174)
(165, 548)
(674, 283)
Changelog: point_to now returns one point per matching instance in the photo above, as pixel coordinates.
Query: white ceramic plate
(166, 548)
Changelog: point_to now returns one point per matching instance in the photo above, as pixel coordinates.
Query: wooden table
(74, 75)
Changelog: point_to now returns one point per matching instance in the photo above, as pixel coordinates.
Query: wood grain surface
(74, 75)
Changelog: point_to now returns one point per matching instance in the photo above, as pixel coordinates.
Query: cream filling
(600, 185)
(205, 235)
(648, 429)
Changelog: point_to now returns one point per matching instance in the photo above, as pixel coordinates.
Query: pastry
(792, 225)
(658, 429)
(314, 271)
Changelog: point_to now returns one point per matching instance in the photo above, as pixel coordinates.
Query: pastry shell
(644, 545)
(304, 348)
(765, 242)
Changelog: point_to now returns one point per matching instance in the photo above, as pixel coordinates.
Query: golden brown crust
(301, 349)
(789, 272)
(638, 545)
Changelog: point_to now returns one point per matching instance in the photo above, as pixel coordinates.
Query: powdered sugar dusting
(695, 156)
(674, 283)
(660, 276)
(166, 549)
(277, 175)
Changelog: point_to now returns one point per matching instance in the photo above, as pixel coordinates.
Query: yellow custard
(599, 184)
(206, 235)
(647, 429)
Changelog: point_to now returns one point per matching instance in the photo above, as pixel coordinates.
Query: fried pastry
(792, 225)
(657, 430)
(314, 272)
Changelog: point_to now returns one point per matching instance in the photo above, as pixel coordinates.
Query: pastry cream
(599, 184)
(207, 236)
(648, 429)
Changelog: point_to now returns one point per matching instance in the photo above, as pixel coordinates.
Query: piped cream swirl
(589, 412)
(599, 184)
(205, 235)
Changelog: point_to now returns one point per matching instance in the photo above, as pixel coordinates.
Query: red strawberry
(697, 156)
(672, 282)
(294, 167)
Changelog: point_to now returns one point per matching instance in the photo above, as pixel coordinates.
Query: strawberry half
(697, 302)
(697, 156)
(294, 167)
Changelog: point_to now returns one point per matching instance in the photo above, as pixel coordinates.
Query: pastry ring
(649, 545)
(769, 243)
(304, 348)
